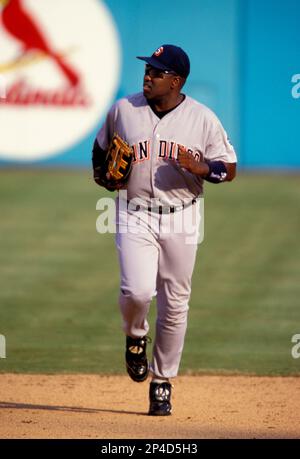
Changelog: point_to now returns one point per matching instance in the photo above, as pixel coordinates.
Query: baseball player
(177, 143)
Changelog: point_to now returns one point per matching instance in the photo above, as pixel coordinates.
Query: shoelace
(162, 393)
(138, 344)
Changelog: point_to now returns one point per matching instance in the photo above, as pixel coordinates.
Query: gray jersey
(155, 172)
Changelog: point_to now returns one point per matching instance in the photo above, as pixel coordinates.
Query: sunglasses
(153, 72)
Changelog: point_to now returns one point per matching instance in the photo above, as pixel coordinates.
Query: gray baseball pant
(157, 262)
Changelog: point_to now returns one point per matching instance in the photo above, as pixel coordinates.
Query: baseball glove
(115, 170)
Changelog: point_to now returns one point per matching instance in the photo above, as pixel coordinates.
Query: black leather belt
(161, 209)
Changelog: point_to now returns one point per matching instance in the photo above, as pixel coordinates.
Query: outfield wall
(244, 65)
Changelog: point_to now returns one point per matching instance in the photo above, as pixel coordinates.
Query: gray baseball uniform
(153, 260)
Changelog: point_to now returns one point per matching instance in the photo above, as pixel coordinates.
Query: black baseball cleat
(160, 399)
(137, 364)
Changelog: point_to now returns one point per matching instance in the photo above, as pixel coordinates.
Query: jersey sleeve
(218, 146)
(106, 131)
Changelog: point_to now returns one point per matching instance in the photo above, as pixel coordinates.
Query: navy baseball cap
(169, 57)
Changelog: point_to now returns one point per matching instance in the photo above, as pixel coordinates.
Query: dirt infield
(91, 406)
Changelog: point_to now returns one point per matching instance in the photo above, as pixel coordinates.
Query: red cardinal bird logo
(18, 23)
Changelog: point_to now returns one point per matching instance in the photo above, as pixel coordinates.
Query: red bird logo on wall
(21, 26)
(53, 90)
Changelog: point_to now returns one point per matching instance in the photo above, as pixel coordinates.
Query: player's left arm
(212, 171)
(218, 161)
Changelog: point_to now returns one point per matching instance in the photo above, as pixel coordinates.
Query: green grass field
(59, 278)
